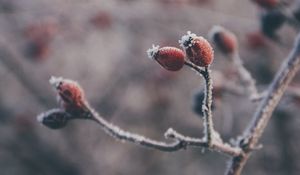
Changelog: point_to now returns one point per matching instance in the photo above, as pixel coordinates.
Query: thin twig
(206, 109)
(264, 112)
(11, 59)
(181, 141)
(207, 101)
(245, 76)
(194, 67)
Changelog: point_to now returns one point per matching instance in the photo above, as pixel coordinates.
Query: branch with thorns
(198, 55)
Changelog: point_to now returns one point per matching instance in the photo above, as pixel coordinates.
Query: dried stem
(206, 109)
(264, 112)
(246, 79)
(11, 59)
(181, 141)
(207, 101)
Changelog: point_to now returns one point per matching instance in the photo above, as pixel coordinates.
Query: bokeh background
(102, 44)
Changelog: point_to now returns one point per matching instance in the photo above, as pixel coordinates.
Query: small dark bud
(296, 13)
(270, 22)
(198, 103)
(54, 119)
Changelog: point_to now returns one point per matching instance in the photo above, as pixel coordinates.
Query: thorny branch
(239, 153)
(57, 118)
(181, 141)
(264, 112)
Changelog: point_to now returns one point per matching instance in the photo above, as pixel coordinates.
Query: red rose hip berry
(197, 49)
(170, 58)
(223, 39)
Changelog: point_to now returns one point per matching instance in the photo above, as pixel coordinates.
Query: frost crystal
(55, 81)
(185, 41)
(40, 117)
(152, 51)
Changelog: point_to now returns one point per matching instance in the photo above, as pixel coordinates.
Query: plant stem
(265, 109)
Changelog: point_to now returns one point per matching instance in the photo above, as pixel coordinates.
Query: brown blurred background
(102, 44)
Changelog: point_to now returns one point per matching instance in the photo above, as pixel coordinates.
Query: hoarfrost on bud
(185, 41)
(152, 51)
(54, 118)
(55, 81)
(169, 133)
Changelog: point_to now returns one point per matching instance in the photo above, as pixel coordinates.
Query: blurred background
(102, 45)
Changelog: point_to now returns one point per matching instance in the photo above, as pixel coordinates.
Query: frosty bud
(170, 58)
(70, 94)
(54, 119)
(223, 39)
(271, 21)
(197, 49)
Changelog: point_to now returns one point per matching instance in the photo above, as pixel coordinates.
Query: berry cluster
(196, 49)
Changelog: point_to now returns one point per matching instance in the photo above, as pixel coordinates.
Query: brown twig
(11, 59)
(181, 141)
(264, 112)
(57, 118)
(207, 101)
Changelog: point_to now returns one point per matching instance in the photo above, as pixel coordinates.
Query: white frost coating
(214, 30)
(41, 116)
(55, 81)
(152, 51)
(185, 40)
(169, 133)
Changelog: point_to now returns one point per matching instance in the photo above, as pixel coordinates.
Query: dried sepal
(223, 39)
(54, 118)
(170, 58)
(197, 49)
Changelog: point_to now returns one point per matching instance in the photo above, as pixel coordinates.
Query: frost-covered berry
(266, 3)
(54, 119)
(170, 58)
(197, 49)
(223, 39)
(70, 94)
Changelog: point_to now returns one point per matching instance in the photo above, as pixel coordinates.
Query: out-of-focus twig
(246, 79)
(11, 59)
(264, 111)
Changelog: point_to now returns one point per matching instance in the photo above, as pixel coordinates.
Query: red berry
(70, 94)
(266, 3)
(102, 20)
(198, 49)
(256, 40)
(170, 58)
(224, 40)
